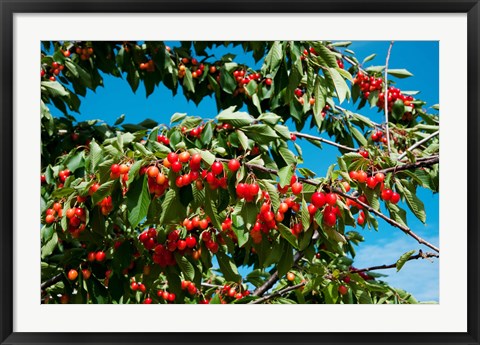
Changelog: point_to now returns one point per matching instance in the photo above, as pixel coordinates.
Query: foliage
(145, 211)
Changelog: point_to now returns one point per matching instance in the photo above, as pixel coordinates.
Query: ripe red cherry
(172, 157)
(361, 176)
(331, 198)
(297, 188)
(386, 194)
(72, 274)
(171, 297)
(312, 209)
(100, 256)
(318, 199)
(268, 216)
(283, 207)
(379, 177)
(91, 256)
(152, 171)
(268, 81)
(191, 241)
(115, 169)
(86, 274)
(364, 153)
(184, 156)
(395, 198)
(181, 244)
(176, 166)
(290, 276)
(353, 175)
(330, 218)
(343, 290)
(253, 189)
(49, 219)
(242, 190)
(217, 168)
(233, 165)
(371, 182)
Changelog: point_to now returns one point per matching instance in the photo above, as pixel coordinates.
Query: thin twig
(420, 163)
(277, 293)
(211, 285)
(386, 97)
(326, 141)
(390, 221)
(420, 255)
(417, 144)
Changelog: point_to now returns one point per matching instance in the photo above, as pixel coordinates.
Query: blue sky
(420, 277)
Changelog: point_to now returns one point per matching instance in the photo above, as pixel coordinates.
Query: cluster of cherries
(243, 78)
(50, 72)
(369, 84)
(54, 213)
(62, 175)
(232, 292)
(167, 296)
(119, 171)
(189, 286)
(247, 191)
(195, 68)
(96, 256)
(312, 51)
(148, 66)
(330, 211)
(76, 220)
(377, 136)
(264, 223)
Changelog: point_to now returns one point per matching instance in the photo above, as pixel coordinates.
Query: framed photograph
(242, 173)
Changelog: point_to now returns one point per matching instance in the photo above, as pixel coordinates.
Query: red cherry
(386, 194)
(217, 168)
(331, 198)
(184, 156)
(297, 188)
(233, 165)
(268, 81)
(330, 218)
(176, 166)
(361, 176)
(242, 190)
(72, 274)
(312, 209)
(253, 189)
(151, 172)
(343, 290)
(191, 241)
(181, 244)
(395, 198)
(379, 177)
(371, 182)
(172, 157)
(115, 169)
(100, 256)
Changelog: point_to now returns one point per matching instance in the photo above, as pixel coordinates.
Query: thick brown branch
(51, 281)
(326, 141)
(390, 221)
(420, 255)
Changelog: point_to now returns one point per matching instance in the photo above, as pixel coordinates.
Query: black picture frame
(10, 7)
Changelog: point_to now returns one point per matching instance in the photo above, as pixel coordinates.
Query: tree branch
(390, 221)
(326, 141)
(417, 144)
(420, 163)
(274, 277)
(420, 255)
(386, 97)
(51, 281)
(277, 293)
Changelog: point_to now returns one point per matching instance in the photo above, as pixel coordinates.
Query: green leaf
(185, 266)
(54, 88)
(208, 157)
(119, 120)
(398, 109)
(358, 136)
(138, 200)
(269, 118)
(285, 174)
(228, 267)
(188, 81)
(369, 58)
(103, 191)
(403, 259)
(243, 139)
(341, 86)
(287, 234)
(49, 247)
(413, 202)
(273, 58)
(286, 260)
(400, 73)
(236, 119)
(177, 117)
(95, 155)
(168, 206)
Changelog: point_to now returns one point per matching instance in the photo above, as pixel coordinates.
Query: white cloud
(419, 277)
